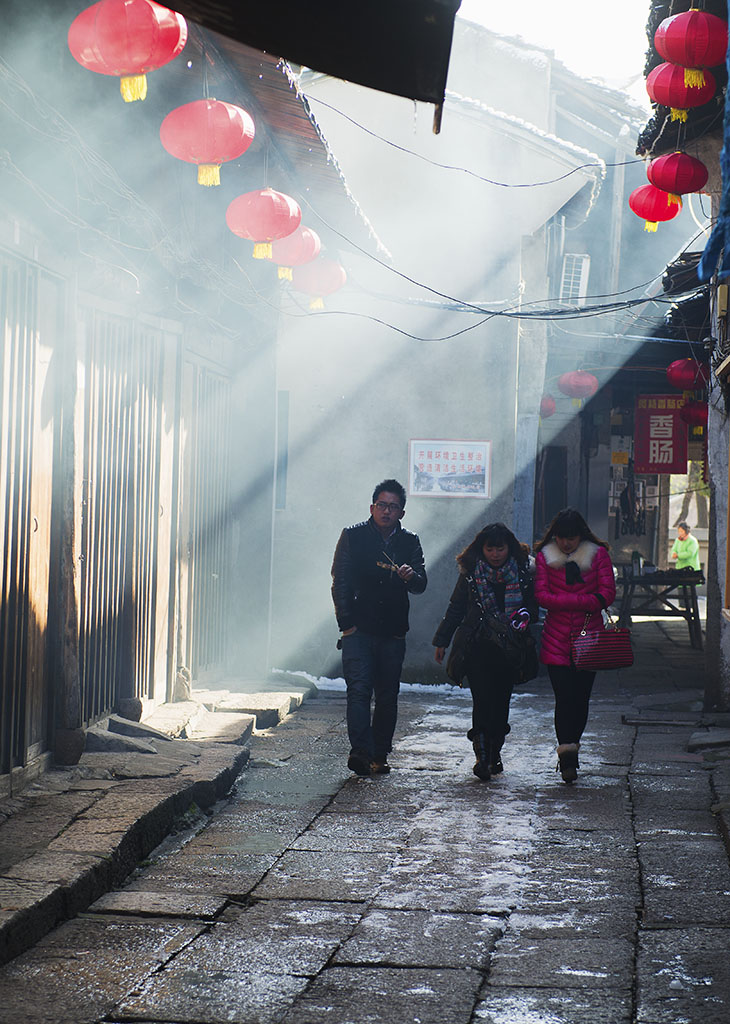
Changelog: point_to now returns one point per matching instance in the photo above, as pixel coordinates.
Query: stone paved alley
(427, 897)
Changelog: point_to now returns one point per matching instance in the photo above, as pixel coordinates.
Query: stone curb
(133, 802)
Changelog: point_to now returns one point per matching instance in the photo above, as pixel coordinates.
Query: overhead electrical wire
(467, 170)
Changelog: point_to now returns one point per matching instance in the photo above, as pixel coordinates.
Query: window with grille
(574, 284)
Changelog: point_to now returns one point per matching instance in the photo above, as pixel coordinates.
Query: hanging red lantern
(300, 247)
(677, 173)
(319, 278)
(688, 374)
(127, 38)
(694, 40)
(262, 217)
(547, 406)
(666, 85)
(207, 133)
(694, 413)
(654, 205)
(578, 384)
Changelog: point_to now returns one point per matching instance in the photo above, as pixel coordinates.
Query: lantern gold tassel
(694, 78)
(209, 174)
(316, 304)
(678, 114)
(650, 225)
(133, 87)
(262, 251)
(285, 274)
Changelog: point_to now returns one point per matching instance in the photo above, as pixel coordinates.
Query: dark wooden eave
(396, 46)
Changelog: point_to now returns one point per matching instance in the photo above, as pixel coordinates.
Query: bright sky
(593, 38)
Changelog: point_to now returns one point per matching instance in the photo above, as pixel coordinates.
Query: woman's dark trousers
(491, 682)
(572, 688)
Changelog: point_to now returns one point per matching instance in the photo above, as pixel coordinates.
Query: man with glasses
(377, 564)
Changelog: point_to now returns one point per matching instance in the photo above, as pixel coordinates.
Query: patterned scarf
(507, 575)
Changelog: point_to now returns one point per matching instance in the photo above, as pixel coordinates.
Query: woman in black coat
(496, 578)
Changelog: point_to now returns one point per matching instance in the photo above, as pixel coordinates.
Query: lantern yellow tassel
(678, 114)
(650, 225)
(694, 78)
(285, 274)
(673, 200)
(209, 174)
(262, 251)
(316, 304)
(133, 87)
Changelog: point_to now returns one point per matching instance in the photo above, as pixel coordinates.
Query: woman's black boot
(495, 760)
(568, 761)
(481, 752)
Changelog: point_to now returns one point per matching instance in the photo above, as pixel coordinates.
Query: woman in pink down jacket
(574, 578)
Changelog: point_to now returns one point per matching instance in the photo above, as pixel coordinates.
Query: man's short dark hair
(683, 526)
(393, 487)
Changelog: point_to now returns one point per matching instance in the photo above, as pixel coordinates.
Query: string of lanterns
(686, 375)
(690, 43)
(128, 39)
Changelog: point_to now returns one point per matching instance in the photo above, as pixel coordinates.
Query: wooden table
(672, 592)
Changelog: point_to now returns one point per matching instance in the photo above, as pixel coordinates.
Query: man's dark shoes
(495, 759)
(359, 764)
(379, 767)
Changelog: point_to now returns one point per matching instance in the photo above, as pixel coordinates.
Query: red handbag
(605, 648)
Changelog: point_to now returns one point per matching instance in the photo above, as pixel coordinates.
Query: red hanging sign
(660, 435)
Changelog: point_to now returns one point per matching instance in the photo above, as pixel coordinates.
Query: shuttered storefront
(31, 310)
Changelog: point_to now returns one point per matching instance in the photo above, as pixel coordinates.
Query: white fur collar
(583, 555)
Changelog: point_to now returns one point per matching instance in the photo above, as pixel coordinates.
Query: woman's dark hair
(494, 535)
(569, 523)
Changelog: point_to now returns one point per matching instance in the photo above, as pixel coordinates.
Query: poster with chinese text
(660, 435)
(456, 469)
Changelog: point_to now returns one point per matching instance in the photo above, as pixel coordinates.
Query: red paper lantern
(654, 205)
(666, 85)
(300, 247)
(694, 413)
(263, 216)
(578, 384)
(688, 374)
(127, 38)
(319, 278)
(547, 406)
(677, 173)
(207, 133)
(693, 39)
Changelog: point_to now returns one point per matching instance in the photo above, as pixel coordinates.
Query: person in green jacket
(686, 549)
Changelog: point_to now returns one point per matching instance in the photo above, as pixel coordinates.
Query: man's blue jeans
(372, 665)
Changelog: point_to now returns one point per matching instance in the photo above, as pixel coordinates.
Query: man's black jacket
(366, 588)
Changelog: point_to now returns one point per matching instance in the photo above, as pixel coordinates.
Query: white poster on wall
(450, 469)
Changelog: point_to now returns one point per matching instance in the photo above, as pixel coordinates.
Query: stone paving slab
(227, 997)
(159, 904)
(412, 938)
(268, 708)
(683, 975)
(582, 961)
(386, 994)
(318, 876)
(298, 938)
(503, 1005)
(222, 727)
